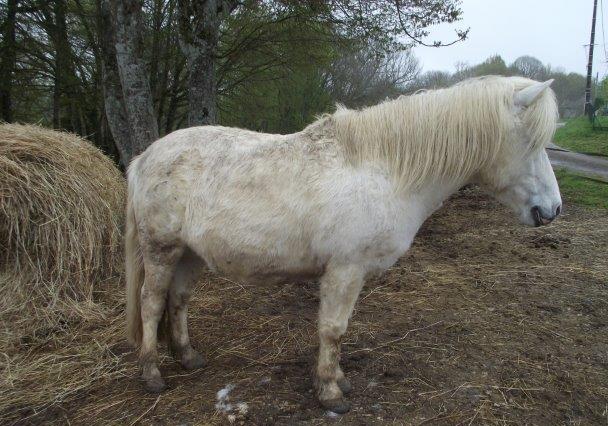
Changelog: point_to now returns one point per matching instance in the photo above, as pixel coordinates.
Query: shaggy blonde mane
(444, 134)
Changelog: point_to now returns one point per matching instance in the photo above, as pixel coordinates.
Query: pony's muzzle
(540, 219)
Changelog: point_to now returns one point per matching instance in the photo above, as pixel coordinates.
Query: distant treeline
(569, 87)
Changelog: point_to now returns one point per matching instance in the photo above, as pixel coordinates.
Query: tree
(199, 25)
(289, 83)
(8, 60)
(529, 67)
(380, 22)
(431, 80)
(494, 65)
(134, 77)
(363, 77)
(271, 71)
(66, 84)
(114, 103)
(570, 92)
(463, 71)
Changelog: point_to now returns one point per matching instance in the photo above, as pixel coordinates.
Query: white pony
(339, 201)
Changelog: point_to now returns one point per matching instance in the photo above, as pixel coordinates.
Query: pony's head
(490, 130)
(521, 176)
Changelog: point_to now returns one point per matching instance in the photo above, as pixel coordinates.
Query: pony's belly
(262, 268)
(254, 274)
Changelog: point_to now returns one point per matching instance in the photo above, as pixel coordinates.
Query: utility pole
(588, 105)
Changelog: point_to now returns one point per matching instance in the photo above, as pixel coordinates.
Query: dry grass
(61, 212)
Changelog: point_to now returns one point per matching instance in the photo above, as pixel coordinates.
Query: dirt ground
(483, 321)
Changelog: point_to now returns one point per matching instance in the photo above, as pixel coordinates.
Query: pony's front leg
(340, 287)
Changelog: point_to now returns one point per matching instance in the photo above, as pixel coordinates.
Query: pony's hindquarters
(134, 268)
(159, 271)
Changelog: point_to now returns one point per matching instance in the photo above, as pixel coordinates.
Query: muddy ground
(482, 322)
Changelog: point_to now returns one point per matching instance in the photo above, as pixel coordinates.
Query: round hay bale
(61, 214)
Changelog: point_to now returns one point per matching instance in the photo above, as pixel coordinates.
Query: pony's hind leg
(187, 273)
(340, 287)
(159, 264)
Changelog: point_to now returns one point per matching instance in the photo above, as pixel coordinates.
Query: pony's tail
(134, 267)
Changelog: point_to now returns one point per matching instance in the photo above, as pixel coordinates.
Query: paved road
(588, 165)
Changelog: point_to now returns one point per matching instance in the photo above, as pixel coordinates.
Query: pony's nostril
(558, 210)
(536, 216)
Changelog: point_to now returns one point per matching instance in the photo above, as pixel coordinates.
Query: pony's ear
(525, 97)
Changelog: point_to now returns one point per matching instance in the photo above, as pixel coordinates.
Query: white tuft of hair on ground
(331, 414)
(223, 397)
(224, 405)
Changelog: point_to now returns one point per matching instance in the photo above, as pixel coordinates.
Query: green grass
(581, 190)
(577, 135)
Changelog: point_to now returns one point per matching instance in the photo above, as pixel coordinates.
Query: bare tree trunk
(167, 65)
(137, 98)
(67, 93)
(114, 103)
(202, 90)
(57, 98)
(62, 88)
(63, 59)
(199, 23)
(93, 129)
(8, 60)
(157, 21)
(174, 96)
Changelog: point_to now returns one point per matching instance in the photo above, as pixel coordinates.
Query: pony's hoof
(344, 385)
(336, 405)
(155, 385)
(193, 362)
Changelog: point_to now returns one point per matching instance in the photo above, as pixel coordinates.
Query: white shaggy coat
(340, 201)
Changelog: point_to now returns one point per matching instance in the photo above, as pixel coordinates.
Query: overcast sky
(553, 31)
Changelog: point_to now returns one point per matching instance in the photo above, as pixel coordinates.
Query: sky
(554, 31)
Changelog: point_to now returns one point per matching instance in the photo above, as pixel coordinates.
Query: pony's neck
(431, 196)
